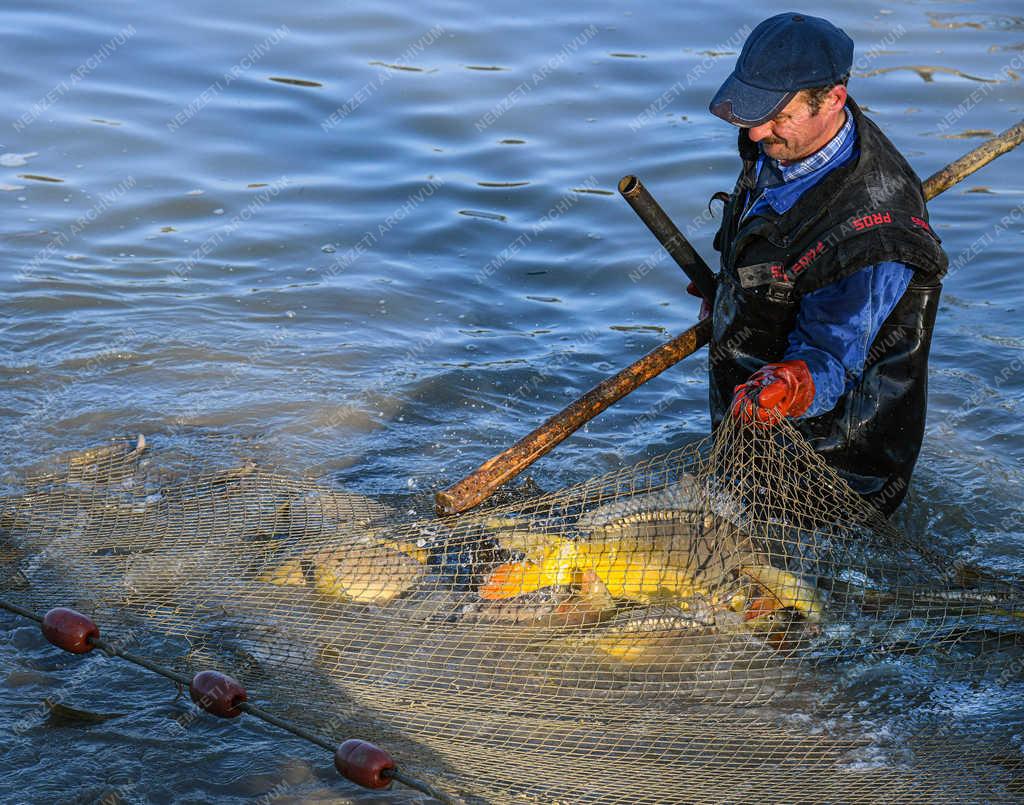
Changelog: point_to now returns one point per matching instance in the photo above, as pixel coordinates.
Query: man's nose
(758, 133)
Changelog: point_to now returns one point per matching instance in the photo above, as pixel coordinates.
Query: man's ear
(837, 98)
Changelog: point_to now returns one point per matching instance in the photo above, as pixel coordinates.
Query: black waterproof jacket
(869, 210)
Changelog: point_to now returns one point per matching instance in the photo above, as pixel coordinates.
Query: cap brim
(744, 105)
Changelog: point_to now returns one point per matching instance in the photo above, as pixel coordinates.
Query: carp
(673, 502)
(671, 634)
(657, 547)
(676, 561)
(778, 608)
(553, 606)
(118, 452)
(656, 633)
(363, 572)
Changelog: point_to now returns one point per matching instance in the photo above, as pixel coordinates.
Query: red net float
(363, 763)
(70, 630)
(217, 693)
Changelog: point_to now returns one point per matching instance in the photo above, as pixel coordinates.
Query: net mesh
(724, 623)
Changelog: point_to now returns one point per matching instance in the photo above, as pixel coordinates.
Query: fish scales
(677, 501)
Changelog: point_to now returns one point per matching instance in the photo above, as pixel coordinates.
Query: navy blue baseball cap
(783, 55)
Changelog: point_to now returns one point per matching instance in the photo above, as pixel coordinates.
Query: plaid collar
(820, 158)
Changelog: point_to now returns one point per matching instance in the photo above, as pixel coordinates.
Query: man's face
(795, 133)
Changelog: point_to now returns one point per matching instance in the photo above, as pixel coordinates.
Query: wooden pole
(482, 482)
(944, 179)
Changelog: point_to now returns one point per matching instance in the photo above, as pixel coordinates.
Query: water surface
(379, 243)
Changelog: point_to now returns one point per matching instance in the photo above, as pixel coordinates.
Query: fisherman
(830, 274)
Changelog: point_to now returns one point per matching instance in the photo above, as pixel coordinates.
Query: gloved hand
(774, 391)
(705, 305)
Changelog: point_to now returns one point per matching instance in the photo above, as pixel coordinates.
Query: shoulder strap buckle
(780, 291)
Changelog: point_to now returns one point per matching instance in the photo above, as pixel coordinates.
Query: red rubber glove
(705, 305)
(774, 391)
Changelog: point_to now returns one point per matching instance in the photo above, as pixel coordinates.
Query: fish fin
(595, 591)
(140, 446)
(509, 580)
(66, 711)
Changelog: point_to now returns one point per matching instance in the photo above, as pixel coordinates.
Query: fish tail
(509, 580)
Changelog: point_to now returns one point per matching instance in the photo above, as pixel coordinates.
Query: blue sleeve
(837, 324)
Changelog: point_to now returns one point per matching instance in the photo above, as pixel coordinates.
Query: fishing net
(724, 623)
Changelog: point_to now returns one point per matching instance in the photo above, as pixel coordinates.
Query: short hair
(816, 95)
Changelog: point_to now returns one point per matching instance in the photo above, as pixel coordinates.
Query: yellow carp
(365, 573)
(660, 566)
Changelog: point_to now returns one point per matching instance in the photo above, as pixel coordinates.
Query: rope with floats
(358, 761)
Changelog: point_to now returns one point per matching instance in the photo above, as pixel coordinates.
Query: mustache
(774, 141)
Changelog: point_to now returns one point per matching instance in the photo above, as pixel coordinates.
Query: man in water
(830, 274)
